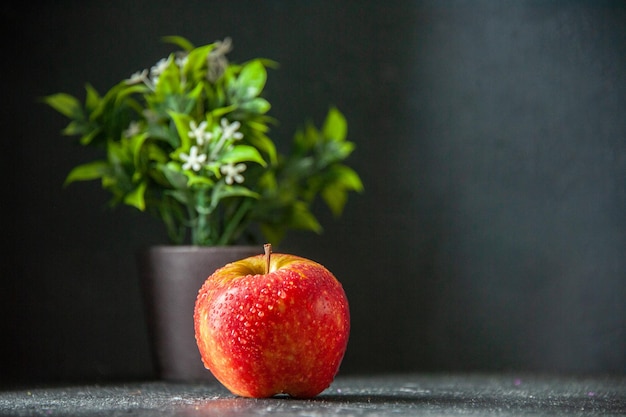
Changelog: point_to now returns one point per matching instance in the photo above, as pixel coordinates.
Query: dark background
(491, 139)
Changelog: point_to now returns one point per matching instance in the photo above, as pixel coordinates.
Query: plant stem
(268, 255)
(229, 234)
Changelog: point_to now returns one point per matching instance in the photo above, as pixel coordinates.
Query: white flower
(158, 69)
(233, 172)
(193, 160)
(150, 116)
(217, 61)
(133, 129)
(138, 77)
(181, 61)
(199, 132)
(230, 130)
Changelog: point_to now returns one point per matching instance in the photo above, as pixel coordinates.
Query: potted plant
(188, 141)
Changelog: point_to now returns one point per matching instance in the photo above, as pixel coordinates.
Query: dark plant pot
(171, 277)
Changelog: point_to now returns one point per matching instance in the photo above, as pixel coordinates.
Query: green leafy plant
(188, 141)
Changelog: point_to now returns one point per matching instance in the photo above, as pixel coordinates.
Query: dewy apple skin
(272, 324)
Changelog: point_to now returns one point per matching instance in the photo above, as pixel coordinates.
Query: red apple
(272, 324)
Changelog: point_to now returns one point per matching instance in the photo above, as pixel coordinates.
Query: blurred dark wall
(491, 138)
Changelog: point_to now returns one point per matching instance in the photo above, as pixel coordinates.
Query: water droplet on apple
(261, 313)
(270, 307)
(281, 294)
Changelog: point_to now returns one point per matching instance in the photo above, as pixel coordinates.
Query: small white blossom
(150, 116)
(158, 69)
(181, 61)
(233, 173)
(230, 130)
(138, 77)
(199, 132)
(193, 160)
(217, 61)
(133, 129)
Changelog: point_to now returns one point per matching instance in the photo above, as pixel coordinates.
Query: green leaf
(335, 126)
(341, 179)
(242, 153)
(192, 97)
(128, 91)
(88, 171)
(335, 198)
(174, 175)
(199, 180)
(156, 153)
(87, 138)
(136, 197)
(257, 105)
(268, 181)
(74, 128)
(181, 121)
(106, 105)
(302, 218)
(180, 196)
(222, 191)
(136, 143)
(305, 139)
(334, 152)
(221, 111)
(264, 144)
(165, 133)
(197, 61)
(169, 80)
(65, 104)
(180, 41)
(259, 126)
(119, 152)
(92, 97)
(251, 80)
(347, 177)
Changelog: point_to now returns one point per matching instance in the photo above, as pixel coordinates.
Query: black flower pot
(171, 277)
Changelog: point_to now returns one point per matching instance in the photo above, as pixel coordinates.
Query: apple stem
(268, 255)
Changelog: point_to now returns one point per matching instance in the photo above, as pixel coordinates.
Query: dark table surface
(393, 395)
